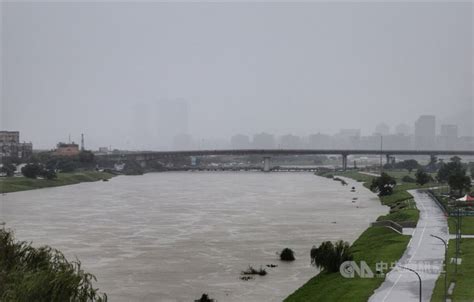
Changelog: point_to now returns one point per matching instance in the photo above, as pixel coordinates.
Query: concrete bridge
(145, 156)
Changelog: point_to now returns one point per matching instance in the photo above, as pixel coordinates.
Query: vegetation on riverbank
(463, 289)
(374, 245)
(41, 274)
(14, 184)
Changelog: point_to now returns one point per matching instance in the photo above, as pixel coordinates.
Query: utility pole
(445, 266)
(418, 275)
(82, 141)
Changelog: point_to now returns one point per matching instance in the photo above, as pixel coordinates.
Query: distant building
(263, 141)
(10, 145)
(64, 149)
(347, 138)
(403, 129)
(240, 141)
(290, 141)
(320, 141)
(382, 129)
(103, 149)
(448, 138)
(425, 132)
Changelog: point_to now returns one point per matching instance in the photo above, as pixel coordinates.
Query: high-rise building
(448, 138)
(425, 132)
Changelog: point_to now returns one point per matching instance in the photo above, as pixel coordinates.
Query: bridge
(145, 156)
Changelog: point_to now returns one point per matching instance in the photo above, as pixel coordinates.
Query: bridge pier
(266, 164)
(344, 162)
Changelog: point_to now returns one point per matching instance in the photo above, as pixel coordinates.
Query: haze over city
(236, 151)
(115, 71)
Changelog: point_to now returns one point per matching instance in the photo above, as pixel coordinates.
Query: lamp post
(445, 266)
(411, 270)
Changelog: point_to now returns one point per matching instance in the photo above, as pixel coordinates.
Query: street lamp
(411, 270)
(445, 266)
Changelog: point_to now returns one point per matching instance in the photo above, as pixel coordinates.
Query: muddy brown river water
(174, 236)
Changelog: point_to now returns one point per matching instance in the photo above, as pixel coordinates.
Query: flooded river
(174, 236)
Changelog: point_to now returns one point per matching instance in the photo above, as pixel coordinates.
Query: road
(424, 254)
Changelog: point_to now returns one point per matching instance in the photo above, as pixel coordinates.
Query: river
(173, 236)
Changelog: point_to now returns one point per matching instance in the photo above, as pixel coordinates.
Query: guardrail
(438, 202)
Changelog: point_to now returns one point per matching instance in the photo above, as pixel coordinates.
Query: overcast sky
(242, 68)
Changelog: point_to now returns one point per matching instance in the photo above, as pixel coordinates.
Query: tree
(422, 177)
(32, 170)
(471, 169)
(329, 256)
(86, 157)
(66, 165)
(460, 181)
(383, 184)
(451, 168)
(8, 168)
(410, 165)
(433, 164)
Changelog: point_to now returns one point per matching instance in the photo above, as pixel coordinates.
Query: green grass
(374, 245)
(464, 289)
(402, 215)
(350, 174)
(467, 225)
(15, 184)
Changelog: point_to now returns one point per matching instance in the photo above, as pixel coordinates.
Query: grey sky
(243, 68)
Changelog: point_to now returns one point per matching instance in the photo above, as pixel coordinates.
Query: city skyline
(425, 134)
(290, 68)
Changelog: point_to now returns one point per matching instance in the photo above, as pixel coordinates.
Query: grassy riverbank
(374, 245)
(463, 289)
(15, 184)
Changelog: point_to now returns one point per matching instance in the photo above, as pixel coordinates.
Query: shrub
(8, 168)
(252, 271)
(287, 255)
(41, 274)
(383, 185)
(48, 174)
(32, 170)
(329, 256)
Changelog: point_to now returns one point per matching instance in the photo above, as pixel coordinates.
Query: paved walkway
(370, 174)
(424, 254)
